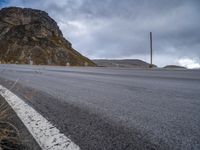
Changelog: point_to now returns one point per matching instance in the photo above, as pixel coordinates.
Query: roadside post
(151, 51)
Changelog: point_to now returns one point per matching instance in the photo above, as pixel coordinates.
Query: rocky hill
(29, 36)
(128, 63)
(174, 67)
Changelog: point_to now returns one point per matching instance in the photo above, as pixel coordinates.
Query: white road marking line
(47, 136)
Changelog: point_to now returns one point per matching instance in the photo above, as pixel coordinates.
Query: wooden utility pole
(151, 51)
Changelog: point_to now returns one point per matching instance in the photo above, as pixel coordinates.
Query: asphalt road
(113, 108)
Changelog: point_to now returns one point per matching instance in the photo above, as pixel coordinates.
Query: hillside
(29, 36)
(174, 67)
(129, 63)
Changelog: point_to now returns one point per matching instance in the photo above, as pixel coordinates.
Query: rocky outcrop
(29, 36)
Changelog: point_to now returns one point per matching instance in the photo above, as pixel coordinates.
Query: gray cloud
(120, 29)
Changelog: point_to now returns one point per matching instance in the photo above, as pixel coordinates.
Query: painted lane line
(47, 136)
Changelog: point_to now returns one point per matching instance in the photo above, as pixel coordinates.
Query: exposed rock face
(31, 36)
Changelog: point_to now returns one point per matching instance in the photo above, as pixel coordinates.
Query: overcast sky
(120, 28)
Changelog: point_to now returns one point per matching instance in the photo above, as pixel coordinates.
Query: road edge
(46, 135)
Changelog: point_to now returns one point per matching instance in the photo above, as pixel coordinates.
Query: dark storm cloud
(120, 28)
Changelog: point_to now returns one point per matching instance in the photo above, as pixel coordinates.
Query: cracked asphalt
(113, 108)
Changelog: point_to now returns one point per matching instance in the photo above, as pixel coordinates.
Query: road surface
(113, 108)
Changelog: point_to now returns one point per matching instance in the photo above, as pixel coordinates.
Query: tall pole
(151, 51)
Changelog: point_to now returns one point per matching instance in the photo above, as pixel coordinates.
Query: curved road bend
(113, 109)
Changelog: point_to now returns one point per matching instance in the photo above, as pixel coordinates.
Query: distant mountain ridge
(129, 63)
(31, 36)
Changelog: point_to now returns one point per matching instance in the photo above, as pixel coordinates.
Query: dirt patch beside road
(13, 133)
